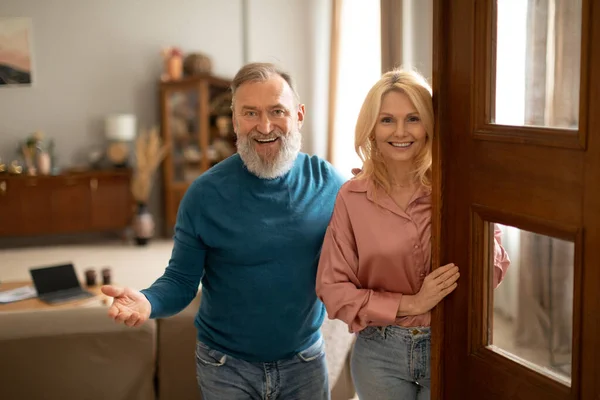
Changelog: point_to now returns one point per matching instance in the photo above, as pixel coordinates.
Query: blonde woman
(374, 271)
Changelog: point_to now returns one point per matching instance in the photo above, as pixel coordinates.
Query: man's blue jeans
(303, 377)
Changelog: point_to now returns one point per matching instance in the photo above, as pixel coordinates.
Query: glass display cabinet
(196, 123)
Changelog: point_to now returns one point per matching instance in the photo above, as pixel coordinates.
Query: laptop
(57, 284)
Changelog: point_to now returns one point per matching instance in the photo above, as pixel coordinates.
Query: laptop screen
(55, 278)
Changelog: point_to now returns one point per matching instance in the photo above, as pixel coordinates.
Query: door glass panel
(532, 319)
(538, 53)
(182, 107)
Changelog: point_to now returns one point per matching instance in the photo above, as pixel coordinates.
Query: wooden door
(518, 148)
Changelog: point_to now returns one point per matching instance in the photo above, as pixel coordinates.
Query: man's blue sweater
(255, 244)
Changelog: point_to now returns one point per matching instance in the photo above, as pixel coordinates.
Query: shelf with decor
(196, 124)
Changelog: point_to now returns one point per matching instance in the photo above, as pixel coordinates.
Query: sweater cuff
(152, 301)
(383, 307)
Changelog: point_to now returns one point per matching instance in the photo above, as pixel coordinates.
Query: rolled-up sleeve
(338, 285)
(501, 259)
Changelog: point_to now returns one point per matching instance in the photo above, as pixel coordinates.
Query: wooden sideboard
(91, 201)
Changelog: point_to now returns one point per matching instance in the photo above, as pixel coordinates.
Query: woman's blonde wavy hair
(415, 86)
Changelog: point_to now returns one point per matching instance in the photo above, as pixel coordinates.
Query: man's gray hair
(260, 72)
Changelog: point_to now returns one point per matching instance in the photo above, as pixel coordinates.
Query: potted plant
(149, 153)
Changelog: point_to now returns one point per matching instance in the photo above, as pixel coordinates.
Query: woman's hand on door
(437, 285)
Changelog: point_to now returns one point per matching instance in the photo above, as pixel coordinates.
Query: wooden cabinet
(196, 122)
(71, 203)
(33, 199)
(17, 195)
(108, 200)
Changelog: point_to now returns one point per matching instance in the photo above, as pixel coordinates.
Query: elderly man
(250, 229)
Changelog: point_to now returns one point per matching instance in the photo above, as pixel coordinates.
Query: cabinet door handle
(3, 188)
(94, 184)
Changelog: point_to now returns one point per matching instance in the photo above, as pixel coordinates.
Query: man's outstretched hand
(129, 306)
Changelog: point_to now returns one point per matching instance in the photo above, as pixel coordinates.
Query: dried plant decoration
(149, 153)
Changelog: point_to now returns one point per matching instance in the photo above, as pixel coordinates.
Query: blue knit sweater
(254, 244)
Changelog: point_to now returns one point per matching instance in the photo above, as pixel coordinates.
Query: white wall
(296, 34)
(92, 58)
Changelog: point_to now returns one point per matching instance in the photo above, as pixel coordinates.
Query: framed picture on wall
(15, 52)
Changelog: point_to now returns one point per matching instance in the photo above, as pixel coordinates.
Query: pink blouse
(374, 253)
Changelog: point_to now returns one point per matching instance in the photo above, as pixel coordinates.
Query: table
(36, 304)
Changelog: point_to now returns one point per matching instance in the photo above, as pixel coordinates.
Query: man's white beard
(274, 164)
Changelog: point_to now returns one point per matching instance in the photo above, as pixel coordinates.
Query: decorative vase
(143, 225)
(44, 163)
(175, 67)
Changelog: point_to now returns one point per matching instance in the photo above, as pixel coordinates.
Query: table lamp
(120, 132)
